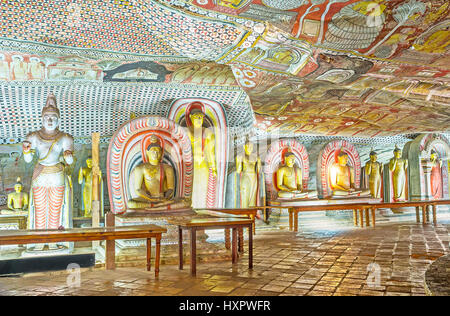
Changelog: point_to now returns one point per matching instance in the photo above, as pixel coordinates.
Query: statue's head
(373, 156)
(342, 158)
(89, 162)
(433, 155)
(289, 159)
(196, 114)
(248, 147)
(18, 186)
(50, 114)
(154, 151)
(397, 152)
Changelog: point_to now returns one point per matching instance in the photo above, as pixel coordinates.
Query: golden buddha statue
(436, 175)
(85, 179)
(249, 168)
(374, 171)
(398, 167)
(290, 181)
(152, 184)
(18, 200)
(342, 179)
(204, 152)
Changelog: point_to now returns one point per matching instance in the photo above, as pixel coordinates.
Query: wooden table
(293, 212)
(214, 223)
(110, 234)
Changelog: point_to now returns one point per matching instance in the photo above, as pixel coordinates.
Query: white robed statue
(51, 189)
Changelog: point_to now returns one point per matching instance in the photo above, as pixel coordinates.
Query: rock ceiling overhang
(320, 67)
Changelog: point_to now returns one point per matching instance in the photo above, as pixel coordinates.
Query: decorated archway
(327, 156)
(126, 152)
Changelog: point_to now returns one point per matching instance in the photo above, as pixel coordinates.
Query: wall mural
(320, 67)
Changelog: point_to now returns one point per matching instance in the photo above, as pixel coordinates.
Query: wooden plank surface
(215, 221)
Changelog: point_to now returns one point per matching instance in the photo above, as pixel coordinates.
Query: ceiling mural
(317, 67)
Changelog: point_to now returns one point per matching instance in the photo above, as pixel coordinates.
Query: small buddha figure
(18, 200)
(342, 179)
(374, 170)
(290, 181)
(398, 167)
(85, 179)
(436, 175)
(204, 152)
(248, 166)
(152, 184)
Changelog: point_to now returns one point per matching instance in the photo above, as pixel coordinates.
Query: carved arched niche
(418, 154)
(327, 156)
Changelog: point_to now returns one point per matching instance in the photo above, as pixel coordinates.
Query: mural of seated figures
(149, 167)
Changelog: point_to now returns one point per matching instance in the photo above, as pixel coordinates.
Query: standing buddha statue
(398, 167)
(85, 179)
(248, 166)
(436, 175)
(203, 150)
(51, 191)
(374, 171)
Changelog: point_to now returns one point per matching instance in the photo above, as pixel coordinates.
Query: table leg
(110, 255)
(180, 248)
(373, 216)
(417, 214)
(290, 219)
(366, 210)
(361, 216)
(234, 245)
(227, 238)
(158, 255)
(424, 214)
(252, 217)
(295, 221)
(241, 239)
(355, 217)
(193, 251)
(434, 215)
(428, 213)
(149, 254)
(250, 250)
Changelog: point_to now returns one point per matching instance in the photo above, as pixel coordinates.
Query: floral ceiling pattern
(317, 67)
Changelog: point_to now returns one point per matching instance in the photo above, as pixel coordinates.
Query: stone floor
(390, 259)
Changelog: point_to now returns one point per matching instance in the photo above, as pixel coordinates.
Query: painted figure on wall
(436, 175)
(203, 149)
(342, 179)
(398, 167)
(4, 68)
(152, 183)
(18, 200)
(85, 176)
(251, 178)
(290, 179)
(374, 171)
(51, 191)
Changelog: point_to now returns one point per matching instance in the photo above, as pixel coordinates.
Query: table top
(100, 231)
(214, 221)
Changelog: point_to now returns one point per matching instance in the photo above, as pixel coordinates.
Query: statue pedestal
(11, 220)
(133, 252)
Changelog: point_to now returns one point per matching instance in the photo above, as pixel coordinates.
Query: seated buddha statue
(152, 183)
(290, 181)
(18, 200)
(342, 179)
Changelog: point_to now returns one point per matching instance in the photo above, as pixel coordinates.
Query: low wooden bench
(110, 234)
(214, 223)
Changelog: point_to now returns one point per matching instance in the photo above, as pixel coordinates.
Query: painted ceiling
(317, 67)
